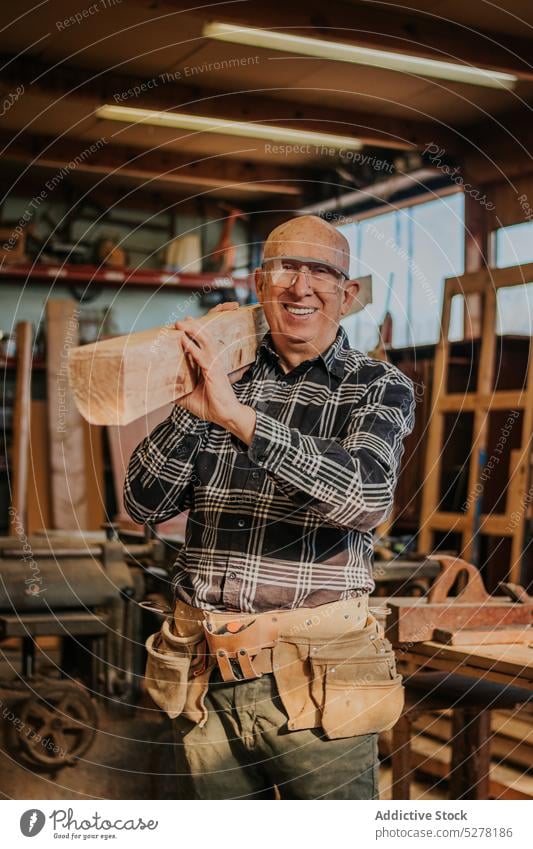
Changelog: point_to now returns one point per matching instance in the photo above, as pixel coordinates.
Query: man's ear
(259, 280)
(349, 295)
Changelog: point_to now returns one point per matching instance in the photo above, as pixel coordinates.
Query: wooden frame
(484, 400)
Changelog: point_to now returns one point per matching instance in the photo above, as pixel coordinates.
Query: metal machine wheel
(57, 725)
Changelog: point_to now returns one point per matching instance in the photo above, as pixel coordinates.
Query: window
(409, 253)
(514, 244)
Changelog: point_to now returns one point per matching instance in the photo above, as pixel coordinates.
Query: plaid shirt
(287, 521)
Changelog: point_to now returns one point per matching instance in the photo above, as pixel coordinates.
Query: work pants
(245, 750)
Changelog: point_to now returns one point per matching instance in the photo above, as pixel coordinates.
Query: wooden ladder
(484, 400)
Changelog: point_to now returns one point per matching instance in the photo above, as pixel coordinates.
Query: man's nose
(301, 283)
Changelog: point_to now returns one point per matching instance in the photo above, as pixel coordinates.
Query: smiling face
(303, 322)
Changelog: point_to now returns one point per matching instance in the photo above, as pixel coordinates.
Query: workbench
(469, 654)
(503, 664)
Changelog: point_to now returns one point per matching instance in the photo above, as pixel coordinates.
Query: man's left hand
(213, 398)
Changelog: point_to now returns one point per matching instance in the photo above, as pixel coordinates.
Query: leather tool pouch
(176, 672)
(348, 686)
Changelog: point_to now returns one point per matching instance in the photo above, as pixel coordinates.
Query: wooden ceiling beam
(62, 81)
(501, 148)
(425, 34)
(163, 166)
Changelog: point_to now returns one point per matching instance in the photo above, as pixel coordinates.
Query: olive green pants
(245, 749)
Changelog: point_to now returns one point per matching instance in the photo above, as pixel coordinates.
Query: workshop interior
(147, 151)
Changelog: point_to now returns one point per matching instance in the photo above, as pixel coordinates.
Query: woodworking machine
(87, 593)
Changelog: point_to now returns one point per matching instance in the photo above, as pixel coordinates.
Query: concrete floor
(131, 758)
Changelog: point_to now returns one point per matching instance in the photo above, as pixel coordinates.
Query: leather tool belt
(242, 645)
(332, 664)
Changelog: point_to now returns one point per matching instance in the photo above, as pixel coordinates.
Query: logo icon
(32, 822)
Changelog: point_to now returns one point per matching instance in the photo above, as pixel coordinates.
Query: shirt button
(232, 576)
(241, 523)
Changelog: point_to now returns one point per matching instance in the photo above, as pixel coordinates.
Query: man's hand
(213, 398)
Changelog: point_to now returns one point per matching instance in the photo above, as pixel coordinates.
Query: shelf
(11, 363)
(117, 277)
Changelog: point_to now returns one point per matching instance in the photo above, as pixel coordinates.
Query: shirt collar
(333, 358)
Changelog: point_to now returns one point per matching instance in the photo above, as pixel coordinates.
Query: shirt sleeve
(349, 482)
(160, 478)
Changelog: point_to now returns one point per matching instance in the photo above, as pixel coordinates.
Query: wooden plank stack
(511, 750)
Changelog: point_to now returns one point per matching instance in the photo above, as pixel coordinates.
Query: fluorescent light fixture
(339, 52)
(247, 129)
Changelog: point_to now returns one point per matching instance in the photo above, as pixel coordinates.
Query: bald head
(309, 237)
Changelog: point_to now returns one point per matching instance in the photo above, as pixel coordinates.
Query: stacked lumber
(511, 750)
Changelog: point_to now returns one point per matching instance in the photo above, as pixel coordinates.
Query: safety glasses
(321, 277)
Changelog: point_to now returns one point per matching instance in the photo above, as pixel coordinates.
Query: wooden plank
(433, 458)
(65, 426)
(94, 475)
(519, 496)
(39, 496)
(460, 402)
(476, 257)
(485, 379)
(122, 443)
(442, 521)
(489, 278)
(416, 622)
(119, 380)
(510, 724)
(439, 727)
(484, 636)
(496, 524)
(470, 765)
(434, 758)
(418, 662)
(21, 426)
(512, 660)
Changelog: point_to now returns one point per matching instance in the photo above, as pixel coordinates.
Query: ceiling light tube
(339, 52)
(246, 129)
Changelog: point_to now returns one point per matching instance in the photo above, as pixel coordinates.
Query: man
(285, 473)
